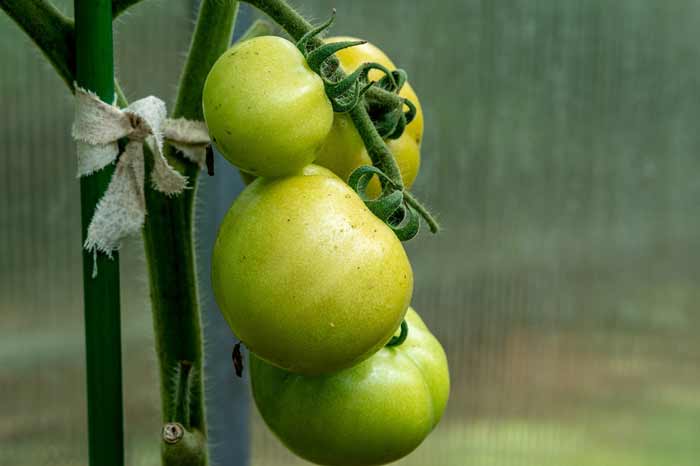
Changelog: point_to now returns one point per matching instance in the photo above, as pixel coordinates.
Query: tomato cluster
(306, 275)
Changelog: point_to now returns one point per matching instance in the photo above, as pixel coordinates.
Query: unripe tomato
(373, 413)
(344, 150)
(306, 276)
(266, 110)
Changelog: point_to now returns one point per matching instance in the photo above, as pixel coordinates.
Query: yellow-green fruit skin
(344, 150)
(306, 276)
(266, 110)
(373, 413)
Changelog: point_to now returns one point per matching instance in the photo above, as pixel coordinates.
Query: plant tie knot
(97, 128)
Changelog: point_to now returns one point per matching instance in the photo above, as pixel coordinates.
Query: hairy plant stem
(377, 149)
(168, 237)
(95, 71)
(432, 222)
(52, 32)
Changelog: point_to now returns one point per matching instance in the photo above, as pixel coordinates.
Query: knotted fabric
(97, 128)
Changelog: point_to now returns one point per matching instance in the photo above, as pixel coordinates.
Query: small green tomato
(266, 110)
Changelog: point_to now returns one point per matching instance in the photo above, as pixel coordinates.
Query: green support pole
(95, 71)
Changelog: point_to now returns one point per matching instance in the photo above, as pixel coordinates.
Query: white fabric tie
(97, 128)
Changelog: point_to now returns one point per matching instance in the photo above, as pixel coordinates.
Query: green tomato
(266, 110)
(370, 414)
(306, 276)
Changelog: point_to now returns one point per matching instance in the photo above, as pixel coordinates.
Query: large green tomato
(344, 150)
(266, 110)
(370, 414)
(306, 276)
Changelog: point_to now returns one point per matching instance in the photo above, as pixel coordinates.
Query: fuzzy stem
(52, 32)
(377, 149)
(95, 71)
(168, 236)
(212, 36)
(284, 15)
(425, 213)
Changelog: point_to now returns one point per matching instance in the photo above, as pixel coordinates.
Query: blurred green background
(561, 153)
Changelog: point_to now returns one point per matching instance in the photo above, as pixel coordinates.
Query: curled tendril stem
(390, 206)
(411, 113)
(318, 56)
(397, 340)
(393, 82)
(337, 88)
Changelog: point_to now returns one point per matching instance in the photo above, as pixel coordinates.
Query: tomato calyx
(386, 108)
(344, 92)
(347, 92)
(391, 206)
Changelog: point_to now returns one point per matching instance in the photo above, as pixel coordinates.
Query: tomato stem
(432, 222)
(50, 30)
(377, 149)
(169, 244)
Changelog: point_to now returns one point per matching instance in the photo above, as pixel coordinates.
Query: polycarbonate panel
(561, 155)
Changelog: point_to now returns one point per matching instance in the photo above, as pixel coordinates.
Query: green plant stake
(95, 71)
